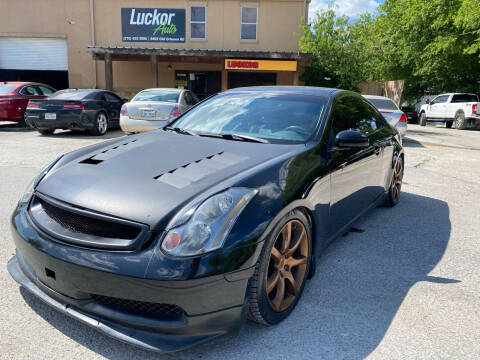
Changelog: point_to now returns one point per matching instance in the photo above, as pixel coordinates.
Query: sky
(345, 7)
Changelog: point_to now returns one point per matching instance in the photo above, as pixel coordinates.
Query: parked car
(396, 117)
(464, 109)
(14, 97)
(170, 238)
(152, 108)
(412, 114)
(76, 109)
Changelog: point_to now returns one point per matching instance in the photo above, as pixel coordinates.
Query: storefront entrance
(241, 79)
(203, 84)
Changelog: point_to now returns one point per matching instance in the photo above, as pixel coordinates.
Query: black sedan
(76, 109)
(171, 237)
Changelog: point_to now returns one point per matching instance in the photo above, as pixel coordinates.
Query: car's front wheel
(282, 270)
(423, 119)
(101, 124)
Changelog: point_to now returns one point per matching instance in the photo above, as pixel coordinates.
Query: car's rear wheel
(423, 119)
(47, 132)
(282, 270)
(101, 124)
(460, 121)
(449, 124)
(396, 184)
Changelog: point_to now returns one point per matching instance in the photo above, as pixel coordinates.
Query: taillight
(175, 111)
(474, 108)
(123, 110)
(403, 118)
(73, 106)
(33, 106)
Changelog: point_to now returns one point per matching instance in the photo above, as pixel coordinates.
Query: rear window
(384, 104)
(157, 95)
(461, 98)
(70, 95)
(5, 89)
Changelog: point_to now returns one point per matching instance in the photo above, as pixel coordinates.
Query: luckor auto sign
(153, 25)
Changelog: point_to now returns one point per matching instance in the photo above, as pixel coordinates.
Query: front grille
(140, 307)
(78, 223)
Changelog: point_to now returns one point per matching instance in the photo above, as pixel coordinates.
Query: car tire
(423, 119)
(281, 272)
(449, 124)
(100, 127)
(23, 121)
(460, 121)
(47, 132)
(396, 183)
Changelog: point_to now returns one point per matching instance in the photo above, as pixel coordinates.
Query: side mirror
(429, 102)
(351, 139)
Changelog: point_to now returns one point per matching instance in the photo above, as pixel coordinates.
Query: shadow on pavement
(346, 309)
(407, 142)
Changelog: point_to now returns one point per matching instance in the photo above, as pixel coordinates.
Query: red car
(14, 97)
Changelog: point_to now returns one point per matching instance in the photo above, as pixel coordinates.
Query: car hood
(148, 177)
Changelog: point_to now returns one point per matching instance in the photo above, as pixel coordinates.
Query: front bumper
(134, 126)
(212, 306)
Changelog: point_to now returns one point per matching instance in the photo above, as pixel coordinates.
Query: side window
(195, 98)
(111, 98)
(440, 100)
(101, 96)
(189, 98)
(30, 90)
(46, 91)
(353, 113)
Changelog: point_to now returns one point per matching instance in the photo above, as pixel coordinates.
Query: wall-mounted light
(71, 22)
(169, 67)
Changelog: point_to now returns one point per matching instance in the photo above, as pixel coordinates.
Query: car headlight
(33, 184)
(208, 225)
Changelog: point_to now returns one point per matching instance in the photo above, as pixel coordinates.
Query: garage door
(33, 54)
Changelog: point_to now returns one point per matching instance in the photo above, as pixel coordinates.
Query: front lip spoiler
(143, 339)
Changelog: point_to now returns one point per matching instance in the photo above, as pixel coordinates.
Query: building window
(198, 22)
(249, 23)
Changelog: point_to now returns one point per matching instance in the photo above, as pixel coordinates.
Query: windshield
(5, 89)
(276, 117)
(69, 95)
(157, 95)
(384, 104)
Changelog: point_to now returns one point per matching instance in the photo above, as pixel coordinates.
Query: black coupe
(75, 109)
(170, 238)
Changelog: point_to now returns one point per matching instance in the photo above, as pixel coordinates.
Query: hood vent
(110, 153)
(199, 169)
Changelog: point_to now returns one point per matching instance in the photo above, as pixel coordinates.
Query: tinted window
(384, 104)
(353, 113)
(460, 98)
(290, 118)
(189, 98)
(31, 90)
(111, 97)
(46, 90)
(70, 95)
(5, 89)
(157, 95)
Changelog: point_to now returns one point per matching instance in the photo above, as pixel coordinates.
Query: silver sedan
(153, 108)
(390, 112)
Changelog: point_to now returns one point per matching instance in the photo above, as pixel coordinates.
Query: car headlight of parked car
(206, 227)
(36, 180)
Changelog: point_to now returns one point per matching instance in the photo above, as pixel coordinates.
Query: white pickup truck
(464, 109)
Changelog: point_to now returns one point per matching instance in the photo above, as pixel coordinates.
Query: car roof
(165, 89)
(22, 83)
(376, 97)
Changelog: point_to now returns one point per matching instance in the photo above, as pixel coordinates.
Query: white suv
(464, 109)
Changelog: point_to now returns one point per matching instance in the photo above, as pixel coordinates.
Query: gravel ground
(406, 288)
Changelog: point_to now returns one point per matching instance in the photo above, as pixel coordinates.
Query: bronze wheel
(282, 270)
(288, 265)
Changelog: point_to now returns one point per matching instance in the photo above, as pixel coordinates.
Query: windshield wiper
(236, 137)
(181, 131)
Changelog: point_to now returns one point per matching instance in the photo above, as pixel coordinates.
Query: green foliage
(434, 45)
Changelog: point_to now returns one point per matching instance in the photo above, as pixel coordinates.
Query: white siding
(33, 54)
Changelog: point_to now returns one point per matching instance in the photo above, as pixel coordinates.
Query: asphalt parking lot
(406, 288)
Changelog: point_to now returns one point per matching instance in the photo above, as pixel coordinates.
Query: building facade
(204, 45)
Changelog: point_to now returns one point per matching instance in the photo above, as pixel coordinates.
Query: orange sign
(259, 65)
